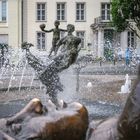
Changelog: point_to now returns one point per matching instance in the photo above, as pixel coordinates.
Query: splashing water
(22, 75)
(32, 79)
(16, 68)
(126, 88)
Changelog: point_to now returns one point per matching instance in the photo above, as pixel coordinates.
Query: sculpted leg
(35, 63)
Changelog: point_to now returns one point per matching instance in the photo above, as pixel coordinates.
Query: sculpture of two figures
(48, 75)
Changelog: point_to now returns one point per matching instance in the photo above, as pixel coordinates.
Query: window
(41, 41)
(131, 39)
(41, 11)
(105, 11)
(61, 11)
(3, 10)
(80, 11)
(81, 34)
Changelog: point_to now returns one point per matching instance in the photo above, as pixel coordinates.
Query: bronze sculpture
(48, 75)
(34, 122)
(56, 35)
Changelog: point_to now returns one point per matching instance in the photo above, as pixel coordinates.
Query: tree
(126, 14)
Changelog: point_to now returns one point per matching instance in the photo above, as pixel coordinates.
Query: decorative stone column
(100, 43)
(124, 40)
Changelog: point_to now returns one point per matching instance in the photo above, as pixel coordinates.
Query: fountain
(126, 88)
(54, 111)
(61, 122)
(54, 119)
(48, 75)
(21, 81)
(89, 85)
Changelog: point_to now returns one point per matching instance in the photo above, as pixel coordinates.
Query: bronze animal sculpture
(36, 123)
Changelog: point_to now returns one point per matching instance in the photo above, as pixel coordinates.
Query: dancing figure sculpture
(48, 75)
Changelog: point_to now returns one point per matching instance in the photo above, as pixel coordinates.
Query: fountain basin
(101, 100)
(97, 110)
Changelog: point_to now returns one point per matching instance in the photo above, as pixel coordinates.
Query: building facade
(107, 41)
(80, 13)
(91, 19)
(10, 22)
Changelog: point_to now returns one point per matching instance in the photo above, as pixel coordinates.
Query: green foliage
(124, 10)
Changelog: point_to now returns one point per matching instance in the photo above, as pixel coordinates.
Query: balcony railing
(99, 20)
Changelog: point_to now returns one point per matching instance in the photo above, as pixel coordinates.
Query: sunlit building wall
(81, 13)
(10, 22)
(20, 21)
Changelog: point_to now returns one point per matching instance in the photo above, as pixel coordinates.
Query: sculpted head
(70, 28)
(56, 23)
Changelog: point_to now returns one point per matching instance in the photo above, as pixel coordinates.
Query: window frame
(5, 12)
(41, 20)
(80, 20)
(65, 10)
(106, 10)
(41, 48)
(130, 37)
